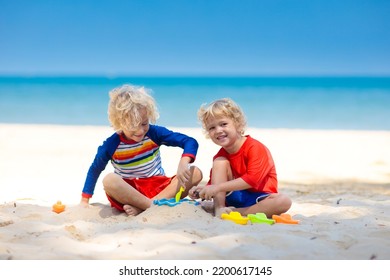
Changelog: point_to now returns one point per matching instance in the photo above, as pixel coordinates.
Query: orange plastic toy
(284, 219)
(58, 207)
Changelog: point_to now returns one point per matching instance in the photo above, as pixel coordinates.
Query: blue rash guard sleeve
(163, 136)
(103, 156)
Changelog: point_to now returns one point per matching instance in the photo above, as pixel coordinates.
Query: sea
(347, 103)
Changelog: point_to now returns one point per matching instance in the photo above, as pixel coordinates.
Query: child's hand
(208, 192)
(183, 173)
(194, 192)
(204, 192)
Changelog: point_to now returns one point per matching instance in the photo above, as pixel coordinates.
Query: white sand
(339, 182)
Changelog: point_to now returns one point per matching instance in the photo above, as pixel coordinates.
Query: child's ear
(238, 128)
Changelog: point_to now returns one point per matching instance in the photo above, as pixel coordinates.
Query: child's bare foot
(226, 210)
(131, 210)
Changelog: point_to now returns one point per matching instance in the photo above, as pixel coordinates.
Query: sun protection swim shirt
(132, 159)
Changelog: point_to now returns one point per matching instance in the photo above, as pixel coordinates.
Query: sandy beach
(339, 182)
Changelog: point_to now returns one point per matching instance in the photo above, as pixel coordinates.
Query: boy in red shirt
(243, 176)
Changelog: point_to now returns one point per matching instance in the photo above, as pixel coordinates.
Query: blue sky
(197, 37)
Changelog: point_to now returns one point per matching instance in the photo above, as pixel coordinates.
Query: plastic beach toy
(284, 219)
(178, 195)
(260, 218)
(235, 217)
(58, 207)
(172, 201)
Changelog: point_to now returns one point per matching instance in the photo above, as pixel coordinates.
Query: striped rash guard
(132, 159)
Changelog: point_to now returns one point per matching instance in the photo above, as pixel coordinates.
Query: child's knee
(197, 176)
(108, 181)
(222, 166)
(285, 203)
(221, 163)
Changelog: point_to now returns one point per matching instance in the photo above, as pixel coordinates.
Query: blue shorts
(244, 198)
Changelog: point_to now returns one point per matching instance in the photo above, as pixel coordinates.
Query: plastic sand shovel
(260, 218)
(284, 219)
(178, 195)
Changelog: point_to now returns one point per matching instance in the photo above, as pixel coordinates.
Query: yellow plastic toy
(260, 218)
(178, 195)
(58, 207)
(235, 217)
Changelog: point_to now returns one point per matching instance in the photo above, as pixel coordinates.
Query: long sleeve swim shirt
(132, 159)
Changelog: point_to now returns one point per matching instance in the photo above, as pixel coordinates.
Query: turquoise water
(307, 103)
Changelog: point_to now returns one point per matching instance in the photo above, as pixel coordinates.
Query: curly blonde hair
(224, 107)
(126, 104)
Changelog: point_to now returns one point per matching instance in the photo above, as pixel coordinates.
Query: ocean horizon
(349, 103)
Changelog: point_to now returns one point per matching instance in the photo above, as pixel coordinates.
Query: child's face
(138, 133)
(222, 131)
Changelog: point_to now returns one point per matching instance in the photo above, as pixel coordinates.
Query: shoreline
(302, 157)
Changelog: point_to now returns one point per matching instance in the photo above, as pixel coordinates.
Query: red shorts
(149, 187)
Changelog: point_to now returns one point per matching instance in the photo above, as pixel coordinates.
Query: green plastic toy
(260, 218)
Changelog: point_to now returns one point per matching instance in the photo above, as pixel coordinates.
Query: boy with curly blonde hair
(243, 175)
(133, 150)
